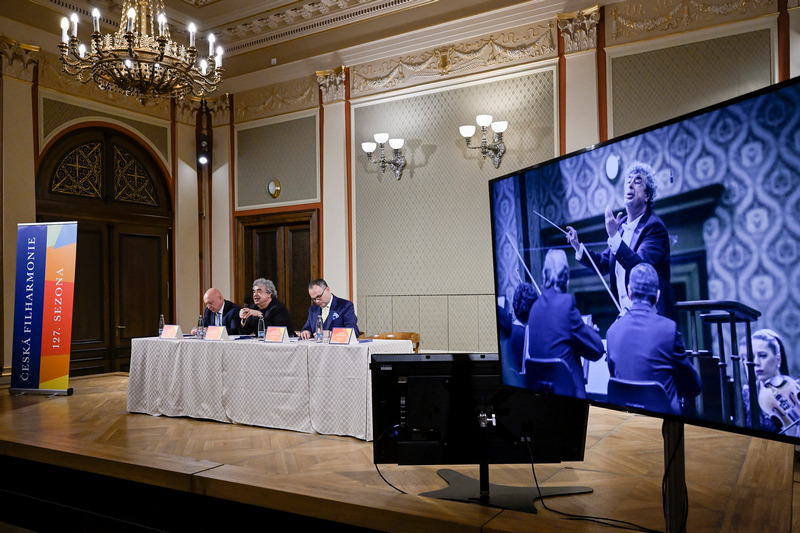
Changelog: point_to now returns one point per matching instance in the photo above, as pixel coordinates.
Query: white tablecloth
(302, 386)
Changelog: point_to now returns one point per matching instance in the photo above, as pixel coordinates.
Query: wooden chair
(399, 335)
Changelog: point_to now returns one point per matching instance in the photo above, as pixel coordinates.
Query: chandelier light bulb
(218, 60)
(64, 29)
(162, 24)
(203, 66)
(131, 19)
(82, 50)
(74, 19)
(96, 20)
(192, 31)
(211, 40)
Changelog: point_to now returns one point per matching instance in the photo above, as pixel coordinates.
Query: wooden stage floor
(83, 463)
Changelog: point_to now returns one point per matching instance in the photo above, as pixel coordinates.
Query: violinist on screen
(777, 391)
(637, 237)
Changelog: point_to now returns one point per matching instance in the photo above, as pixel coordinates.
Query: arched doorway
(119, 196)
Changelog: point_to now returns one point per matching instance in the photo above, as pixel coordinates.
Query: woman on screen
(778, 393)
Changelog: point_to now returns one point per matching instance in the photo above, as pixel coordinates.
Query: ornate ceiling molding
(630, 21)
(305, 18)
(515, 46)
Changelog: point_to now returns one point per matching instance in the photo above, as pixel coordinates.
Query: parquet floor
(735, 483)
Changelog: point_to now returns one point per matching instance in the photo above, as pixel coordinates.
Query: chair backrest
(399, 335)
(649, 395)
(550, 376)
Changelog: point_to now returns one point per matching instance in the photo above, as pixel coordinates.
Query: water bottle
(319, 329)
(201, 330)
(160, 325)
(262, 328)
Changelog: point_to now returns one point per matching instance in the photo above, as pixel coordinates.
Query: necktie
(325, 313)
(218, 319)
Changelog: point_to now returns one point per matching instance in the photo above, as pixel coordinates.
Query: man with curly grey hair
(266, 304)
(638, 236)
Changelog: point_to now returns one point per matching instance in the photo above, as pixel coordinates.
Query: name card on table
(343, 336)
(171, 331)
(216, 333)
(277, 334)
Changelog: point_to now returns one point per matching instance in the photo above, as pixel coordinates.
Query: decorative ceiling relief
(632, 21)
(515, 46)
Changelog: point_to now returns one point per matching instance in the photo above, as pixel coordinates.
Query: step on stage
(83, 463)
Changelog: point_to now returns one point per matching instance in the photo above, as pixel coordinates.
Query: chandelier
(139, 63)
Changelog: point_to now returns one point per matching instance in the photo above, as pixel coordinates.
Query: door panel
(141, 286)
(90, 320)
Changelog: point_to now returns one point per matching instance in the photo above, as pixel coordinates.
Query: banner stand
(41, 392)
(45, 288)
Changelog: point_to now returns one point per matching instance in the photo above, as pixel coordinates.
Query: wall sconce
(496, 148)
(397, 164)
(203, 154)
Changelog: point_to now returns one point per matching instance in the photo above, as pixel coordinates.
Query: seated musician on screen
(336, 312)
(556, 328)
(219, 312)
(777, 391)
(513, 346)
(645, 346)
(266, 304)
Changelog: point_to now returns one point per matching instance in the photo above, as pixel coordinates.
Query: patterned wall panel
(463, 329)
(433, 322)
(286, 151)
(656, 85)
(428, 233)
(405, 313)
(56, 113)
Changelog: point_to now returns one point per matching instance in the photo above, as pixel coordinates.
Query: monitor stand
(467, 489)
(675, 498)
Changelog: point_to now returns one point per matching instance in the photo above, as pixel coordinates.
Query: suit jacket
(342, 314)
(644, 346)
(556, 330)
(230, 317)
(275, 314)
(650, 244)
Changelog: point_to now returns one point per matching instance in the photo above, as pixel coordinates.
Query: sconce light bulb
(202, 160)
(368, 147)
(483, 120)
(396, 144)
(381, 138)
(499, 126)
(466, 131)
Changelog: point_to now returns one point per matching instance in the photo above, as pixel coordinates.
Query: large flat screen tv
(722, 231)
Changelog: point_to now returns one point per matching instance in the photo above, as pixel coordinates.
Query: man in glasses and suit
(336, 312)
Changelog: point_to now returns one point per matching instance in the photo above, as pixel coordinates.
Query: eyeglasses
(319, 296)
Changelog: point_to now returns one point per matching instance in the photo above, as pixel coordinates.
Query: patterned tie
(325, 313)
(218, 319)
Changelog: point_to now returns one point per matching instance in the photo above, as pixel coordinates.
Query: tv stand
(467, 489)
(675, 499)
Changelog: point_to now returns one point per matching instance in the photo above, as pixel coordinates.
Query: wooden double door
(123, 273)
(281, 247)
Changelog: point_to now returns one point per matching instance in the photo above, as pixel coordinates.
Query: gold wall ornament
(514, 46)
(579, 29)
(332, 84)
(630, 21)
(18, 59)
(286, 97)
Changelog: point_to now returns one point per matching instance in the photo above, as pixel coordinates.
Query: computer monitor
(453, 409)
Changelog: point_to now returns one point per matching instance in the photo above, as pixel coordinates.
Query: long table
(301, 386)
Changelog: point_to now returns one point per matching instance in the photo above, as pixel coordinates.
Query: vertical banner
(45, 284)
